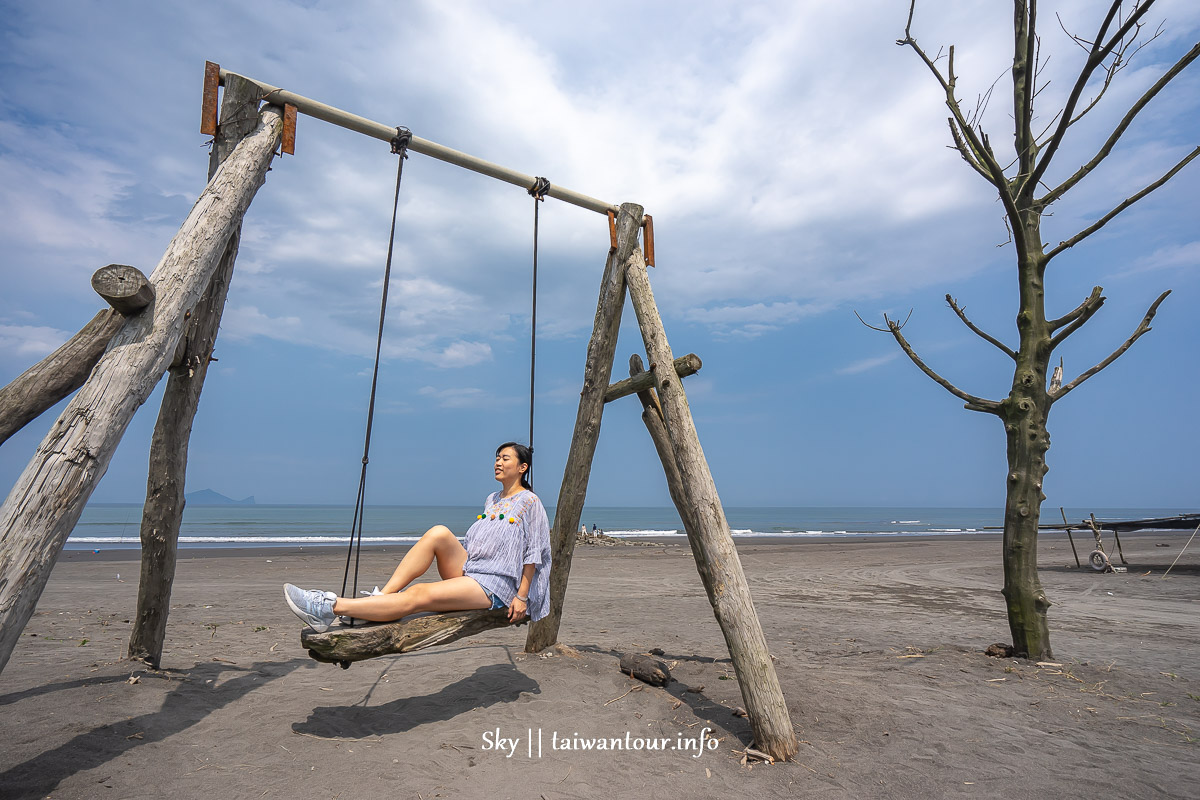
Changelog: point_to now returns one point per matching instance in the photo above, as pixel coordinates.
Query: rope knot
(539, 189)
(401, 141)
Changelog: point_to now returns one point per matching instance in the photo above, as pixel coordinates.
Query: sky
(796, 163)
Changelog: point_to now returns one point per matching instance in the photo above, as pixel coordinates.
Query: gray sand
(879, 647)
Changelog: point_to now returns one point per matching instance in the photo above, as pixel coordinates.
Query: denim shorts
(496, 601)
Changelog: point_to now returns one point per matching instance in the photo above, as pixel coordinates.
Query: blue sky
(794, 159)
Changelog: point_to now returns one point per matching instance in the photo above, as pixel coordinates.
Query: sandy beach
(879, 646)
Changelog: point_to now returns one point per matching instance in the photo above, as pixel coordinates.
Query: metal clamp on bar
(400, 141)
(209, 105)
(612, 229)
(289, 129)
(648, 238)
(539, 189)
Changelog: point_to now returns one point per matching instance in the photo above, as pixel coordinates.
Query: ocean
(110, 525)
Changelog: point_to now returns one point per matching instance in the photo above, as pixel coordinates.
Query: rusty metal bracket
(289, 129)
(648, 238)
(612, 229)
(209, 104)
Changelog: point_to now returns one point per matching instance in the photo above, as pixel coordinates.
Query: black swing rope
(538, 192)
(400, 148)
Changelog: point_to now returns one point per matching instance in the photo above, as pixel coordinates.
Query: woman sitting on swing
(504, 563)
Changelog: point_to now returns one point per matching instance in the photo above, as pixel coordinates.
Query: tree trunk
(57, 375)
(1024, 413)
(596, 374)
(716, 556)
(50, 494)
(162, 513)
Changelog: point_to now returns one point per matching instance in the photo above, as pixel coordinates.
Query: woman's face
(508, 466)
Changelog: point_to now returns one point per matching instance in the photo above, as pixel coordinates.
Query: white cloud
(465, 354)
(246, 322)
(1185, 255)
(469, 397)
(753, 320)
(30, 342)
(867, 364)
(793, 156)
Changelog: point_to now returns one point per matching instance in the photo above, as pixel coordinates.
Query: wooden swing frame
(177, 331)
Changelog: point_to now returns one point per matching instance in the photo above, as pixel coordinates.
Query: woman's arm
(520, 603)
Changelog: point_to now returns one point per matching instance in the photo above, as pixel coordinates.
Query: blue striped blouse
(511, 533)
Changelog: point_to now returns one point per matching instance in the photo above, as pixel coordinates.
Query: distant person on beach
(505, 562)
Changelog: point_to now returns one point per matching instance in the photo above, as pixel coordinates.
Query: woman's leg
(437, 544)
(452, 594)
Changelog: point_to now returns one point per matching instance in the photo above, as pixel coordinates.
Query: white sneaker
(312, 606)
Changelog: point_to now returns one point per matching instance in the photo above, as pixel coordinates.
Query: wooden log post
(344, 646)
(596, 374)
(48, 497)
(640, 381)
(713, 545)
(162, 512)
(652, 418)
(57, 375)
(63, 371)
(123, 287)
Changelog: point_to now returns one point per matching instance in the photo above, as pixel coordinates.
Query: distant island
(207, 497)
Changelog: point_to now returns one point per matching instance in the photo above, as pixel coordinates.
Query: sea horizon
(116, 525)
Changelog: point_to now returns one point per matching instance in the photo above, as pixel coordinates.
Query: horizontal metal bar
(377, 130)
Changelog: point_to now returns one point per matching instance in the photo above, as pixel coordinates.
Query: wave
(248, 540)
(91, 542)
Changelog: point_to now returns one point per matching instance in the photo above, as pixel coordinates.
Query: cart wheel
(1099, 561)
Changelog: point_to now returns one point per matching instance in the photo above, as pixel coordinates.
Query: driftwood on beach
(645, 668)
(345, 645)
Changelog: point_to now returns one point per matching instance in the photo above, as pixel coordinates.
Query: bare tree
(1024, 412)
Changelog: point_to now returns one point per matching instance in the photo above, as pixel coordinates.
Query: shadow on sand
(487, 686)
(39, 775)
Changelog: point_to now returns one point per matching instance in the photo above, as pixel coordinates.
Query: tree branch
(1120, 61)
(973, 403)
(1096, 57)
(962, 314)
(1119, 131)
(1143, 327)
(960, 145)
(1070, 316)
(1077, 318)
(978, 143)
(1100, 223)
(1023, 67)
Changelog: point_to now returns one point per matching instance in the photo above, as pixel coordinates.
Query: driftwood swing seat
(345, 645)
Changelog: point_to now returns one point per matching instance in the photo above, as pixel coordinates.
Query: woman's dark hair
(524, 456)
